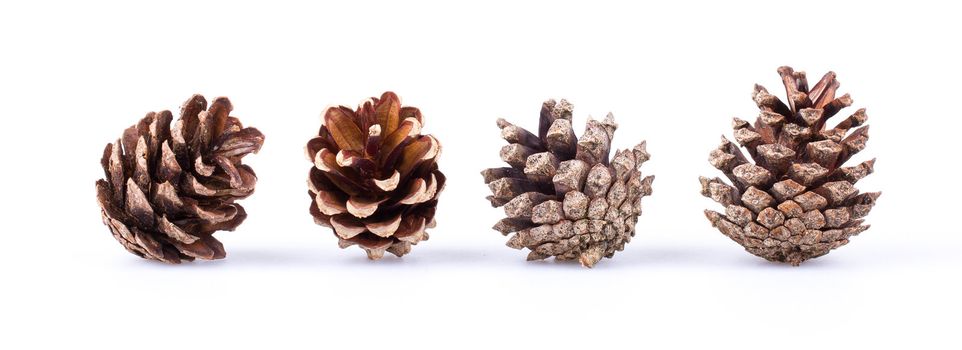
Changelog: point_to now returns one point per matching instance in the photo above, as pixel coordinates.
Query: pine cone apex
(375, 179)
(561, 194)
(168, 188)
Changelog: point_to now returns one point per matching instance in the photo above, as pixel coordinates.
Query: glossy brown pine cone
(561, 195)
(375, 179)
(794, 200)
(167, 190)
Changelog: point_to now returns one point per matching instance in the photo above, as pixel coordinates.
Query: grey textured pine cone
(561, 195)
(794, 200)
(375, 179)
(167, 190)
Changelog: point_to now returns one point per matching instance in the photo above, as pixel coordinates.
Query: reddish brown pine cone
(561, 194)
(794, 200)
(375, 179)
(167, 190)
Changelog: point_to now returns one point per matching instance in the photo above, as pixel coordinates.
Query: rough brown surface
(375, 179)
(167, 189)
(794, 199)
(562, 196)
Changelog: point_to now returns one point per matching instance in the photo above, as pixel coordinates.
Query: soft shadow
(352, 256)
(437, 256)
(552, 263)
(658, 255)
(672, 256)
(277, 257)
(141, 263)
(820, 263)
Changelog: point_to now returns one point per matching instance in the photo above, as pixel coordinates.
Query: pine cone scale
(388, 113)
(344, 131)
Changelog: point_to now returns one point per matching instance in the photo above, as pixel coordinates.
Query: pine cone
(794, 201)
(377, 189)
(167, 190)
(561, 195)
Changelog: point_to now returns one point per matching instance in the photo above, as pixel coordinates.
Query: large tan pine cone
(561, 195)
(375, 179)
(794, 200)
(167, 190)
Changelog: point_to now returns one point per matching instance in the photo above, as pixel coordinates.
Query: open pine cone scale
(167, 190)
(375, 179)
(794, 200)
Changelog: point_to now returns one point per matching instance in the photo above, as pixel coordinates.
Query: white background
(73, 75)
